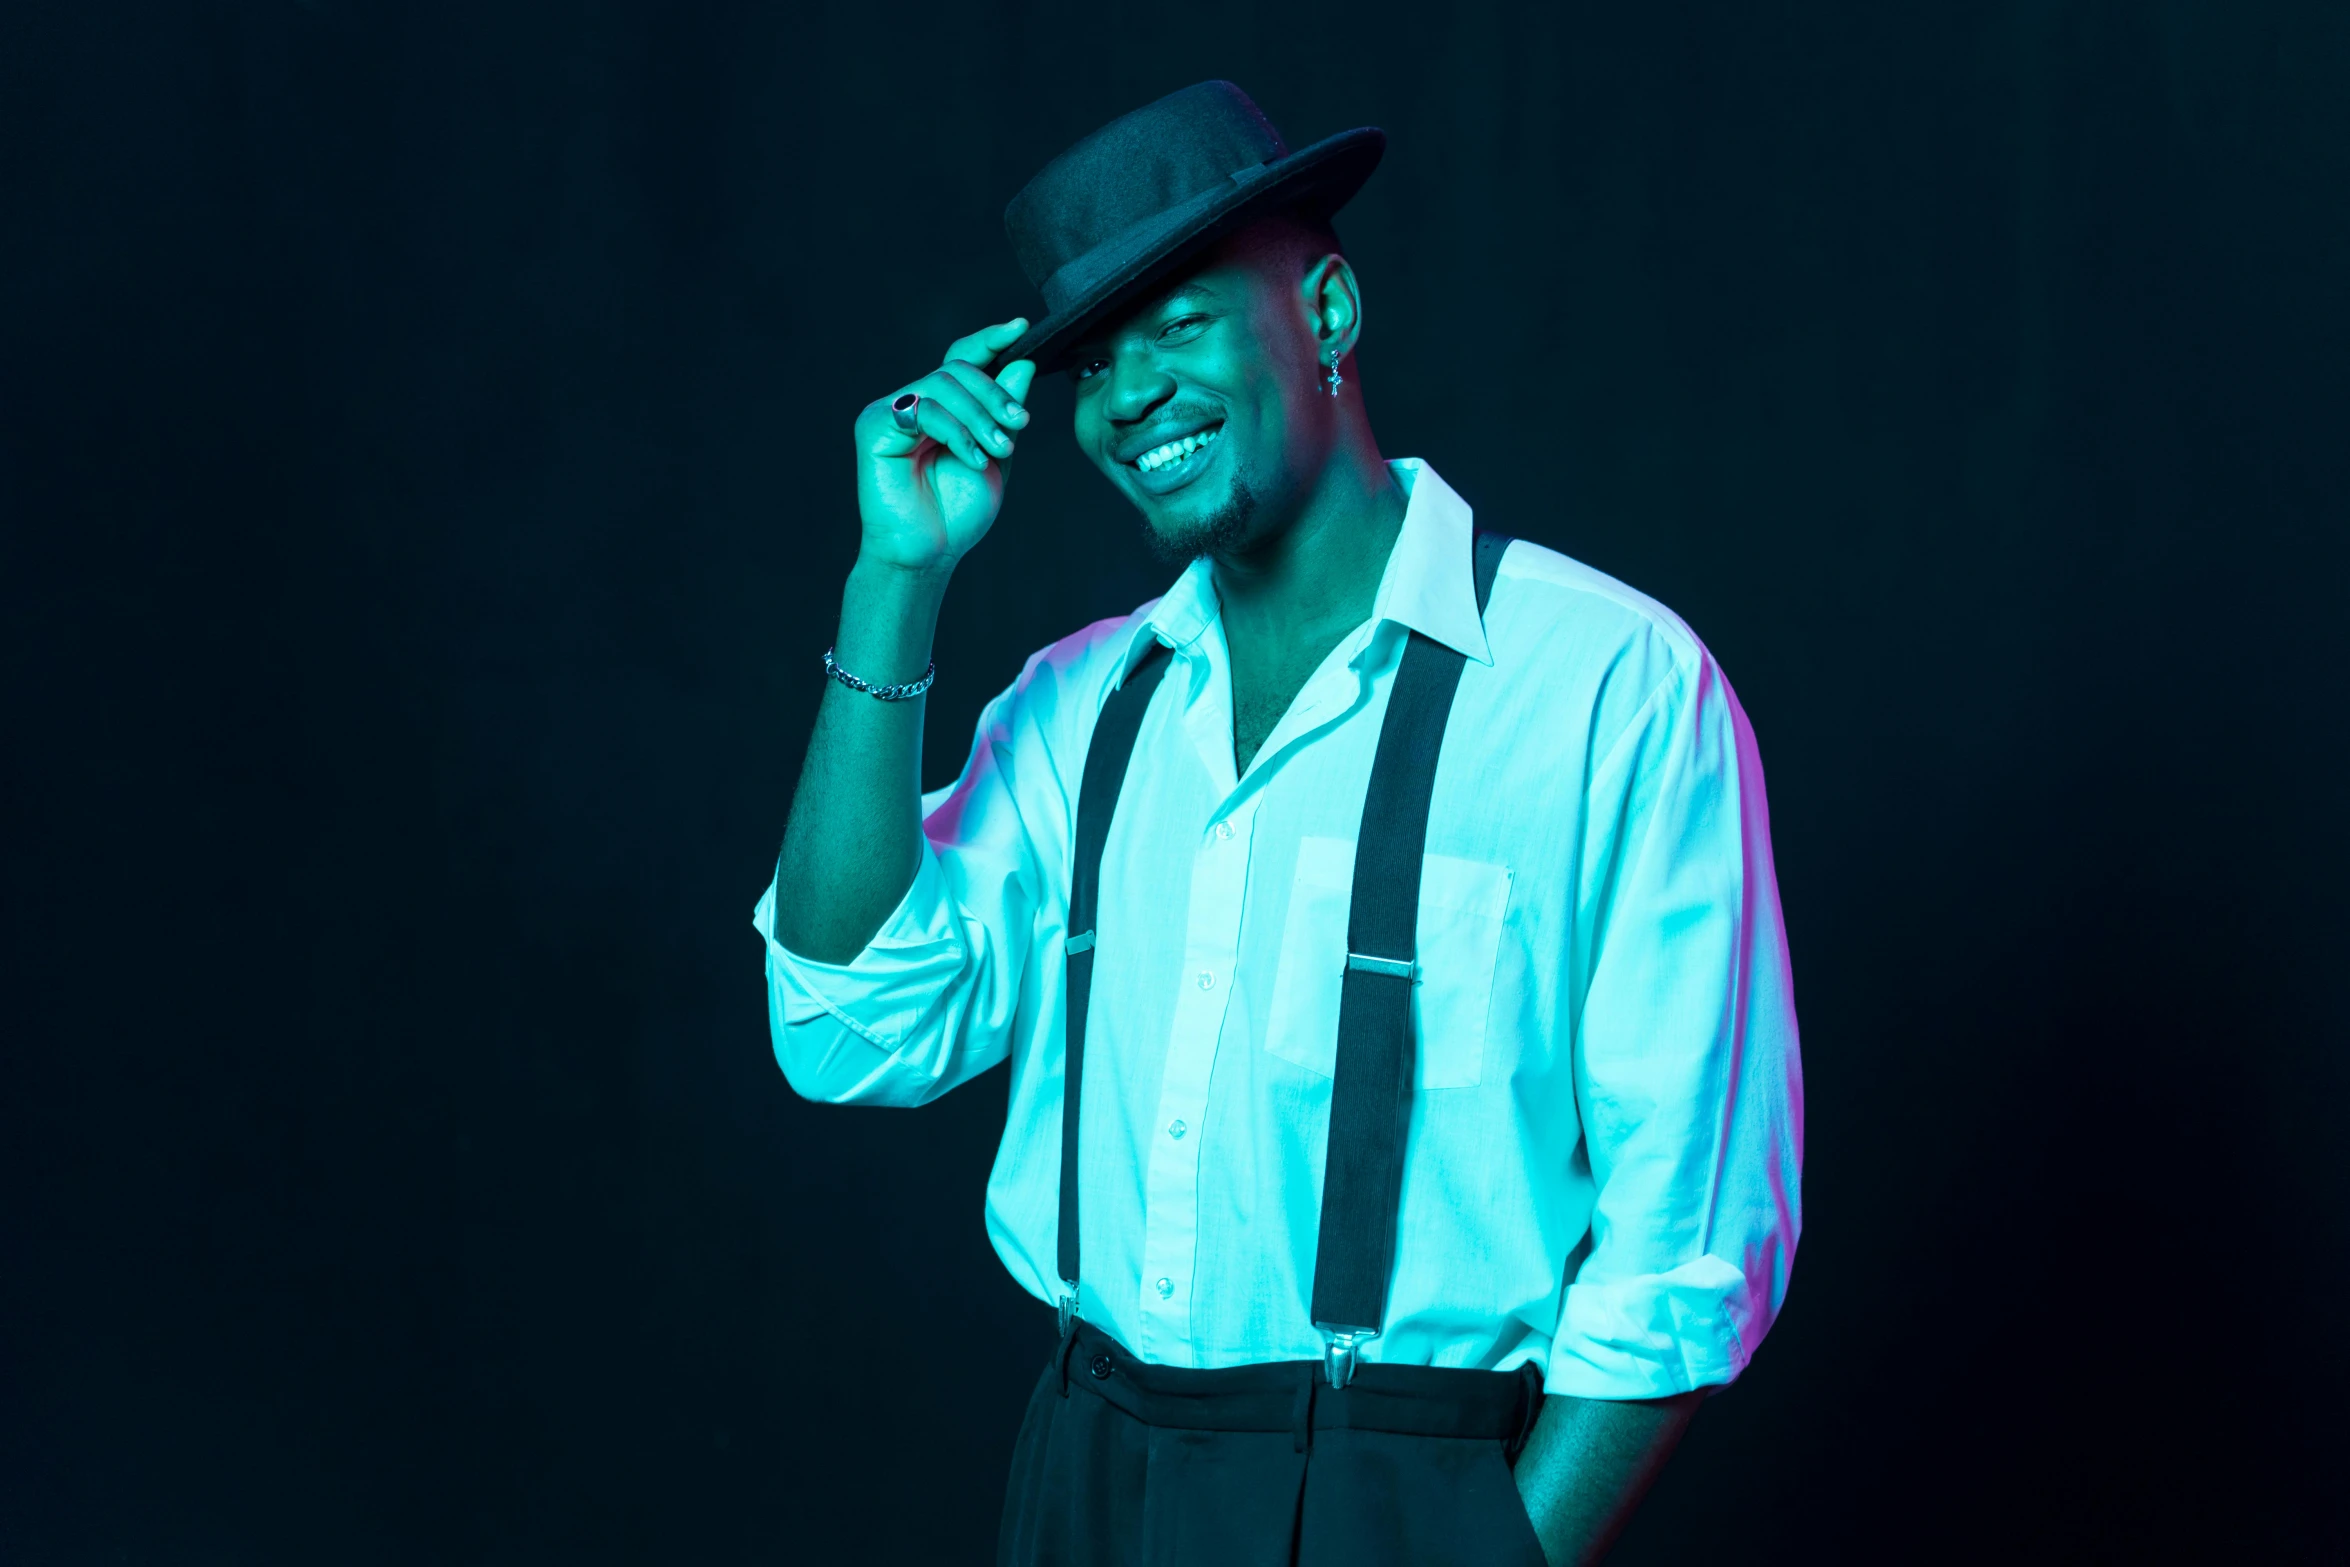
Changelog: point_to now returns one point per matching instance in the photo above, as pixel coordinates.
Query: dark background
(427, 490)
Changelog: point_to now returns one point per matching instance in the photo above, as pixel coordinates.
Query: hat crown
(1134, 169)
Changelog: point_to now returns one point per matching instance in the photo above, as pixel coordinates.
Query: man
(1381, 926)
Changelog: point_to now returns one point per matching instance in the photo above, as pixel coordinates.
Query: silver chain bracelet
(903, 691)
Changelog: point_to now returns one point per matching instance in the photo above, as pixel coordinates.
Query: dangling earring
(1333, 376)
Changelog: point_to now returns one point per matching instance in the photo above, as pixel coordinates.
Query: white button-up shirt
(1602, 1166)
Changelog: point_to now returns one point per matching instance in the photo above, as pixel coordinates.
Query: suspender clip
(1066, 1307)
(1081, 943)
(1339, 1343)
(1364, 963)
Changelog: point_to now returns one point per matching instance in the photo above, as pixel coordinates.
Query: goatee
(1222, 529)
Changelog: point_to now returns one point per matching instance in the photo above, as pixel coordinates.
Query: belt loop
(1529, 1410)
(1061, 1355)
(1301, 1417)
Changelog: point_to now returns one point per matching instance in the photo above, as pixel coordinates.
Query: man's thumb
(1016, 377)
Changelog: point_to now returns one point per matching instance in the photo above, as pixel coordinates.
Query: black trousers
(1123, 1464)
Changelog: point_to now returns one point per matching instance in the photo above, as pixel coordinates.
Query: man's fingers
(984, 344)
(952, 417)
(990, 394)
(1016, 377)
(949, 432)
(964, 409)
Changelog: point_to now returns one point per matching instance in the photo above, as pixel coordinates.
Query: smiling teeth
(1175, 451)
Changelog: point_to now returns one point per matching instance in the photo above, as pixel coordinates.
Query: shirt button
(1224, 831)
(1166, 1288)
(1207, 981)
(1176, 1129)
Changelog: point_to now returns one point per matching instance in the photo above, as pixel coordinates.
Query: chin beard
(1222, 529)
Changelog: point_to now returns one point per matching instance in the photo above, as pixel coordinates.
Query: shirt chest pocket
(1462, 903)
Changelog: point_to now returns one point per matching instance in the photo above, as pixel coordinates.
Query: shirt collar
(1189, 608)
(1428, 587)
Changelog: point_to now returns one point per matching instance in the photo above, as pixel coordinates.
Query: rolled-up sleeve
(1688, 1074)
(931, 1001)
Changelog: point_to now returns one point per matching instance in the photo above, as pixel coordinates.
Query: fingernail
(1017, 412)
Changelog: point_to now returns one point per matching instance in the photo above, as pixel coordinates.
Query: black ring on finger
(906, 409)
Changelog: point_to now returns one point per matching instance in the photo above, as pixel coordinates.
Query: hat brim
(1321, 179)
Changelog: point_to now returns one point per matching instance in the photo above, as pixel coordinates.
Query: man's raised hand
(926, 496)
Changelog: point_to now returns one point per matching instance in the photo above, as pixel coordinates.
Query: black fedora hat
(1131, 203)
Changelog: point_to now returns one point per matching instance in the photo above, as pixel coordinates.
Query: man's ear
(1334, 304)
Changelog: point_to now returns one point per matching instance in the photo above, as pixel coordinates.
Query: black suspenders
(1097, 798)
(1371, 1096)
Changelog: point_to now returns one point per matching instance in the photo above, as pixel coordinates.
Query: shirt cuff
(882, 993)
(1652, 1335)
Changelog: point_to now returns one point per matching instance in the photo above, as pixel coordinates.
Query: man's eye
(1181, 325)
(1087, 369)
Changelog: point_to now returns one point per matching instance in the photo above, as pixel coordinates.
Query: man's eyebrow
(1189, 290)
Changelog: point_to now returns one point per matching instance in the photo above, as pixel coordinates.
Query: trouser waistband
(1295, 1396)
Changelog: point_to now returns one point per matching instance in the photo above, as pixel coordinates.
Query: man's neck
(1318, 577)
(1287, 603)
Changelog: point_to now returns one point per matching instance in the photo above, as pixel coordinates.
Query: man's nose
(1137, 385)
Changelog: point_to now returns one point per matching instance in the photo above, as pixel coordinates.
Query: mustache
(1184, 415)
